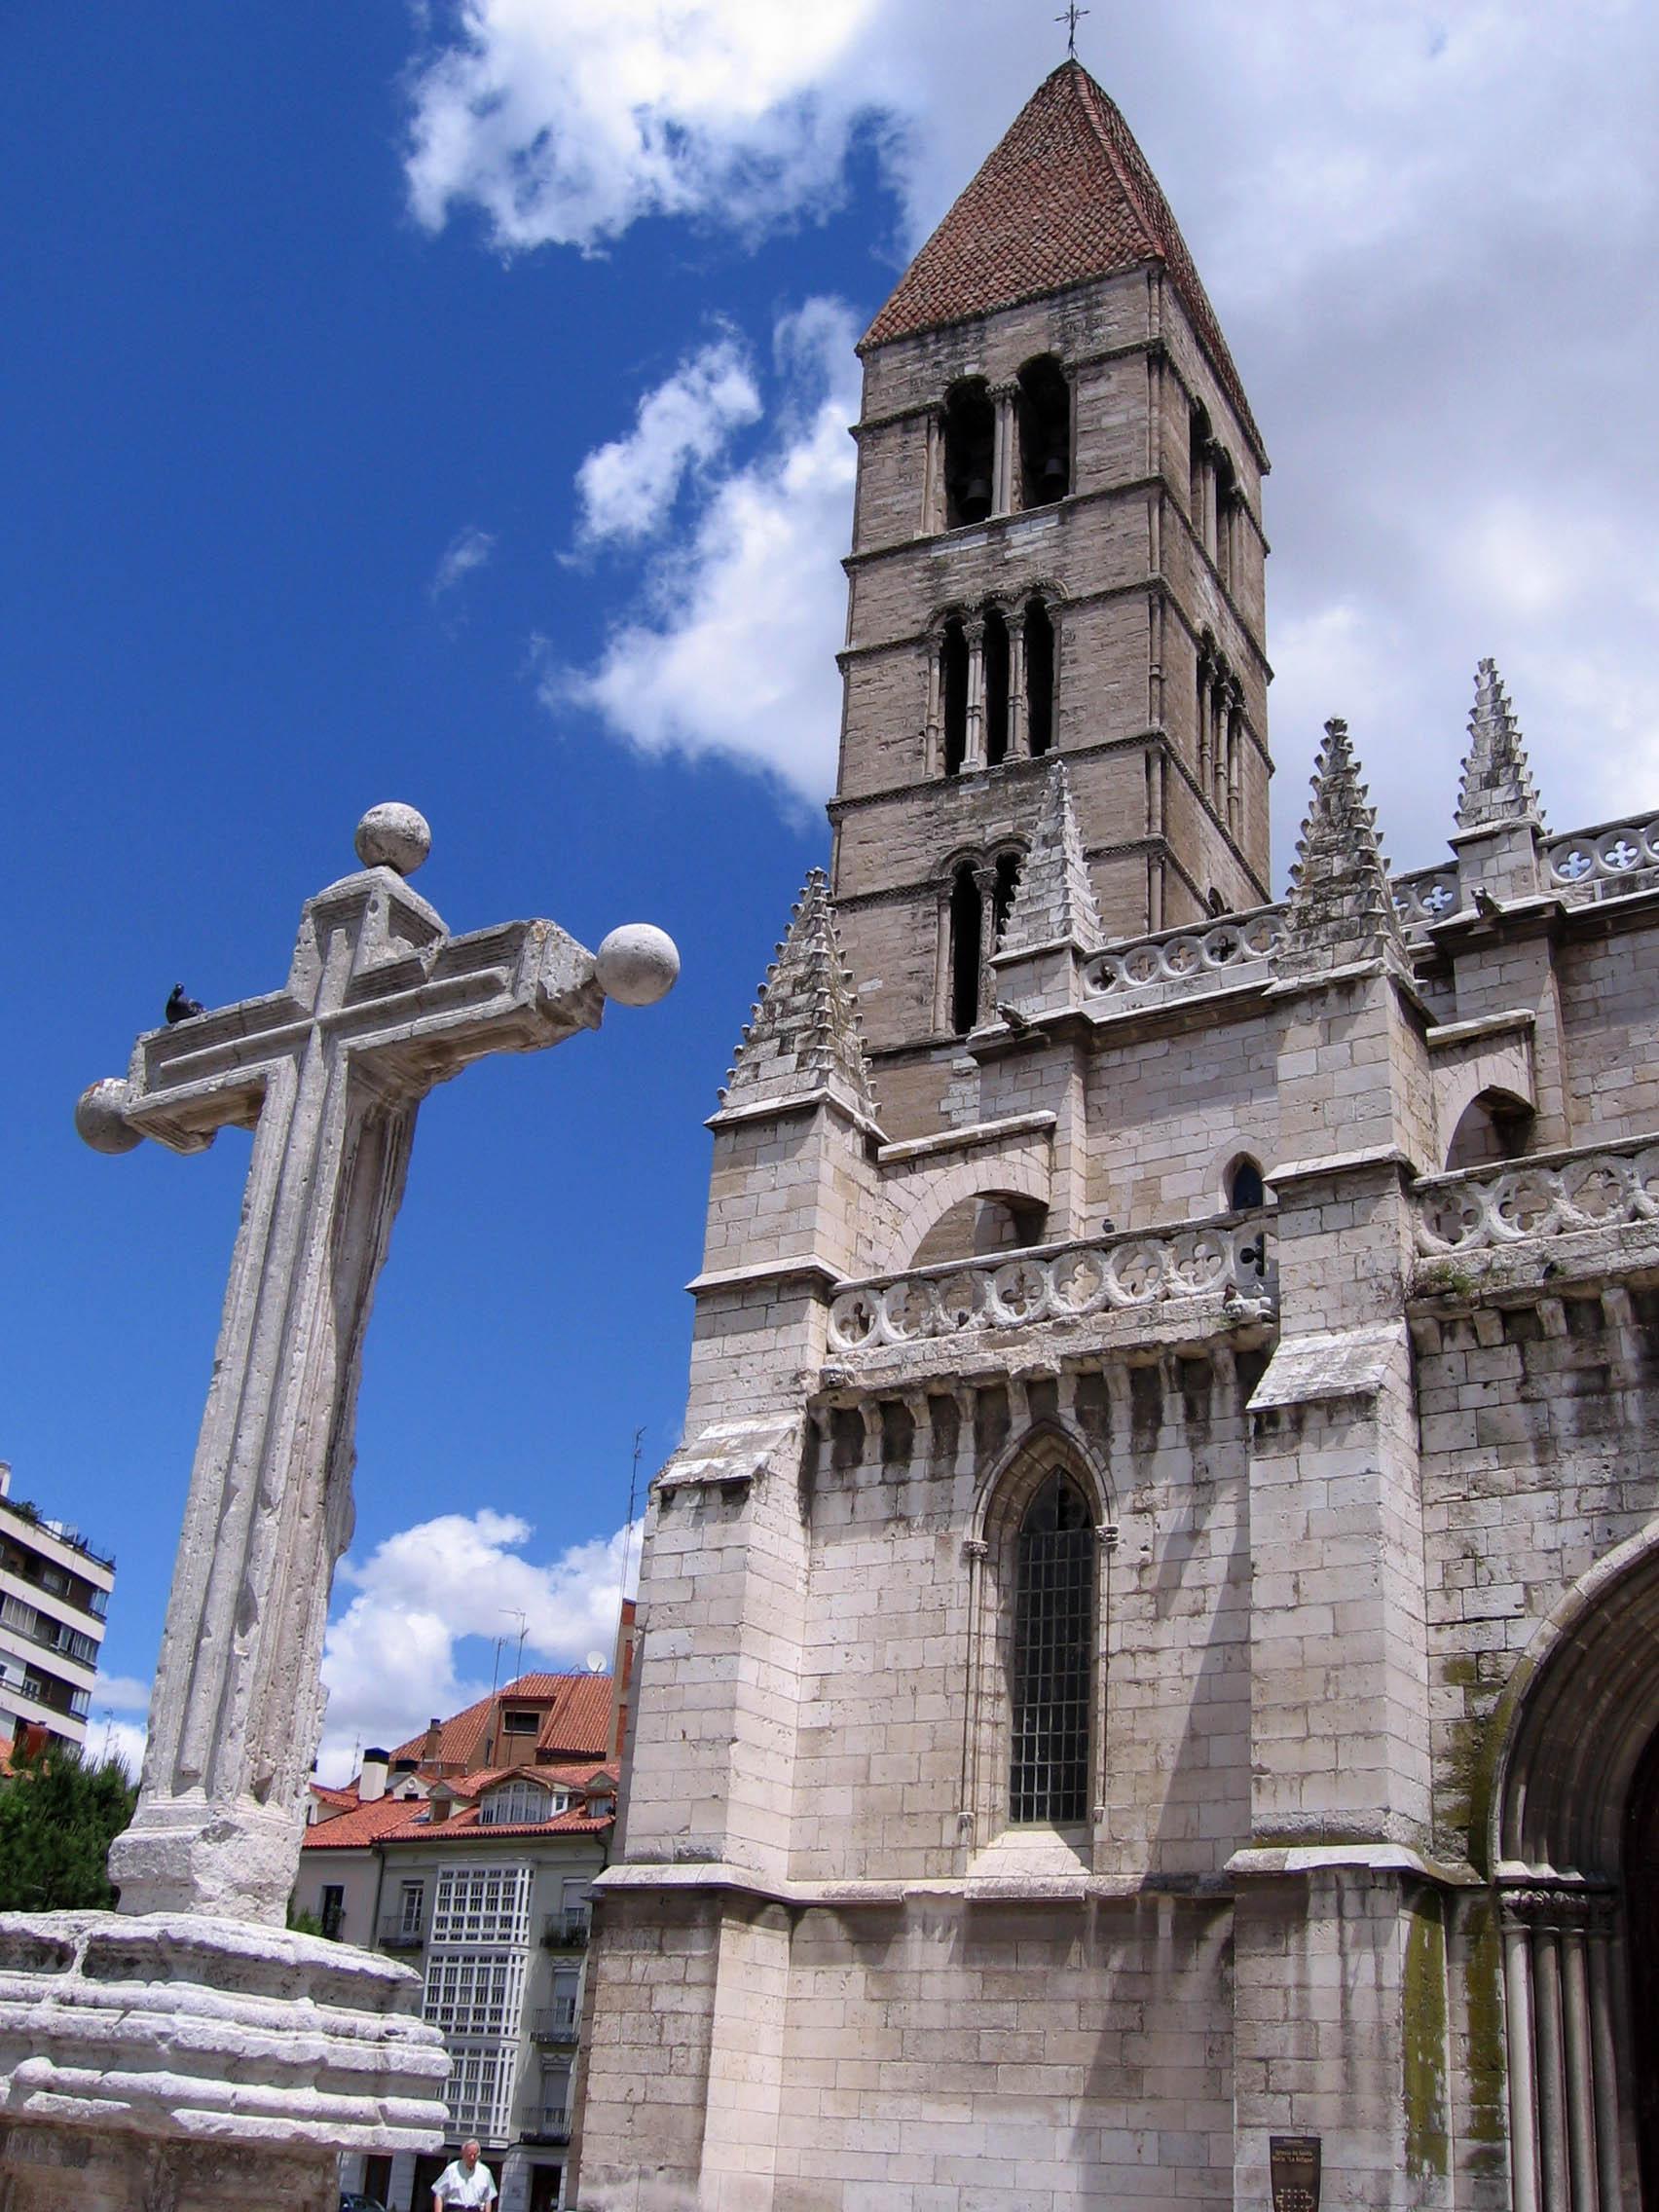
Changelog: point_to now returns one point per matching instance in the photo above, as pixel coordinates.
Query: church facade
(1145, 1679)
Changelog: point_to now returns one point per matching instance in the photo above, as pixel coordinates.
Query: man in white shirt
(465, 2179)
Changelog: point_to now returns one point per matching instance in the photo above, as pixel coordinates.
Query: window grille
(480, 2094)
(1053, 1641)
(475, 1993)
(476, 1959)
(482, 1905)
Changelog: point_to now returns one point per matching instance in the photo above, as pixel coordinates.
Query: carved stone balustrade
(1605, 1187)
(1187, 962)
(1608, 860)
(1228, 1258)
(1425, 896)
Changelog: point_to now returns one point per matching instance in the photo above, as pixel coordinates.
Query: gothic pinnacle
(1341, 905)
(1054, 900)
(802, 1033)
(1497, 785)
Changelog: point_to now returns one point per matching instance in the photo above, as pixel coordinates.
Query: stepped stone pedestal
(179, 2063)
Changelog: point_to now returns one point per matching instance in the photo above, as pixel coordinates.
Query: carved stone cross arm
(381, 1003)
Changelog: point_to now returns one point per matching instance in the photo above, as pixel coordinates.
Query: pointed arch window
(1052, 1657)
(1042, 407)
(1245, 1188)
(970, 452)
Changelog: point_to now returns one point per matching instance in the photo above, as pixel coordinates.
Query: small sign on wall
(1293, 2163)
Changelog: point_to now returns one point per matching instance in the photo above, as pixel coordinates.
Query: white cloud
(120, 1693)
(733, 653)
(122, 1740)
(108, 1735)
(1428, 231)
(390, 1659)
(628, 487)
(466, 550)
(563, 124)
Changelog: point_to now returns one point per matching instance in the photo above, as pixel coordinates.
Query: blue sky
(446, 405)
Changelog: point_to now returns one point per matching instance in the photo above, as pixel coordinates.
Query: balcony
(1228, 1260)
(555, 2022)
(399, 1934)
(551, 2124)
(1601, 1191)
(566, 1931)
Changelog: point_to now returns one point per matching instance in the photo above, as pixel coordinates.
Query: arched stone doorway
(1575, 1854)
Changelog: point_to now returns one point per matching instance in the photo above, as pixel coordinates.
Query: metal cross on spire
(1071, 19)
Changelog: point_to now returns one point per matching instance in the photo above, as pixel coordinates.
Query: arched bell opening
(970, 452)
(1042, 408)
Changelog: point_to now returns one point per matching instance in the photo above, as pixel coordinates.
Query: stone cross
(381, 1003)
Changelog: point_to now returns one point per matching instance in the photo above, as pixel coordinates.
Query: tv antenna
(515, 1614)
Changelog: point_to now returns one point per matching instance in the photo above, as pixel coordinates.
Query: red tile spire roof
(1065, 198)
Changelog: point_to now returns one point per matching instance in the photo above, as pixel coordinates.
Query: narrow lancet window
(1199, 437)
(953, 695)
(1043, 410)
(967, 929)
(1038, 679)
(1246, 1189)
(1053, 1645)
(970, 453)
(996, 688)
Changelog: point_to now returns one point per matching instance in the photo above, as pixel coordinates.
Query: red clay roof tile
(1066, 197)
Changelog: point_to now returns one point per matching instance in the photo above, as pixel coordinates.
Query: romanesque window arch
(1200, 440)
(991, 686)
(996, 653)
(966, 948)
(1043, 411)
(953, 694)
(1039, 677)
(975, 903)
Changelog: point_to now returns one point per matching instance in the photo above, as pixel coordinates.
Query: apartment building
(54, 1595)
(472, 1850)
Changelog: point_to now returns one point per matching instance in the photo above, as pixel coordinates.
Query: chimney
(371, 1782)
(430, 1748)
(5, 1477)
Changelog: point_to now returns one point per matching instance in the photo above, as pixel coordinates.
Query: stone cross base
(184, 2064)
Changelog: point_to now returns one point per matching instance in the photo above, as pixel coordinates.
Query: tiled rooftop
(1066, 197)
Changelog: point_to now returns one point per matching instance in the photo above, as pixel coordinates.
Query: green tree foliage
(59, 1813)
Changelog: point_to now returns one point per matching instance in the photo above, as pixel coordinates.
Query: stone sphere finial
(101, 1117)
(394, 836)
(637, 964)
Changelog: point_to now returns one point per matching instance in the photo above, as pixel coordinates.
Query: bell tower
(1057, 551)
